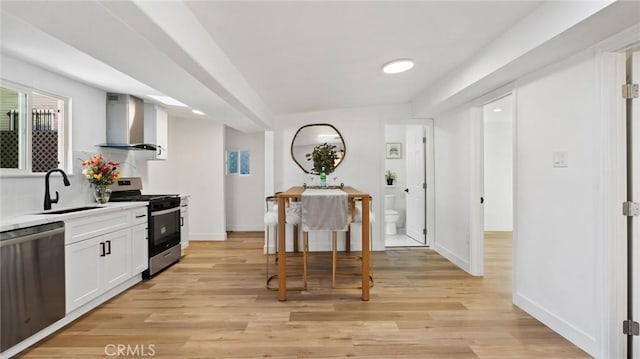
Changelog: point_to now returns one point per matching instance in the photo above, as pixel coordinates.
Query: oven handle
(159, 213)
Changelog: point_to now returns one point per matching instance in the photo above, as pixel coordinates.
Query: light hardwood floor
(213, 304)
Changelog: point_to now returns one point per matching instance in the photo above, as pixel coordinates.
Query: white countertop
(36, 218)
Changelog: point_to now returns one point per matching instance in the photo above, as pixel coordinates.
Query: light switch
(561, 158)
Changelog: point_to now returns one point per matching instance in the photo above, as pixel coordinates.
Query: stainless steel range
(163, 223)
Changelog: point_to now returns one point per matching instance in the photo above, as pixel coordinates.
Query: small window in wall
(32, 130)
(238, 163)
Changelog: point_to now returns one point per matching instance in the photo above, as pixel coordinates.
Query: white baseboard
(570, 332)
(460, 262)
(246, 228)
(207, 236)
(498, 229)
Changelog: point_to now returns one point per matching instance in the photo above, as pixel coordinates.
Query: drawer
(139, 215)
(86, 227)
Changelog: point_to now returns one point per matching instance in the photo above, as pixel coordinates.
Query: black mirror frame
(344, 145)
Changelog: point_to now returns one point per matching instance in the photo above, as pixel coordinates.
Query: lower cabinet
(102, 252)
(139, 248)
(96, 265)
(184, 222)
(116, 261)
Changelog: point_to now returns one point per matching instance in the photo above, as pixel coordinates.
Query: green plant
(324, 158)
(390, 175)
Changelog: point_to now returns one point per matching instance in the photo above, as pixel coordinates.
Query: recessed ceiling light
(197, 112)
(167, 100)
(397, 66)
(497, 109)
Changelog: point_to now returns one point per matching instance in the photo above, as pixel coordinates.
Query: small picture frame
(393, 150)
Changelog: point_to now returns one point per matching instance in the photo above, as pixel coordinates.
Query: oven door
(164, 230)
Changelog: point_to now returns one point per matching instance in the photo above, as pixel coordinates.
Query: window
(33, 129)
(238, 162)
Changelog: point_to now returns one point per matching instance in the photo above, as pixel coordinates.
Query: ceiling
(243, 62)
(307, 56)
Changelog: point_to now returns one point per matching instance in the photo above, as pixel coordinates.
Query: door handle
(181, 221)
(406, 190)
(481, 200)
(108, 247)
(102, 249)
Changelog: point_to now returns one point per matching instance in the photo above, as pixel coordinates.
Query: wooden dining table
(295, 193)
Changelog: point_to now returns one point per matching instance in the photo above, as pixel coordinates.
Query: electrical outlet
(560, 158)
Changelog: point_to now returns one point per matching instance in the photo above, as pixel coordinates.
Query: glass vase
(102, 194)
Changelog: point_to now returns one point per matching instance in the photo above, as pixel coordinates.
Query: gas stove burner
(135, 197)
(150, 197)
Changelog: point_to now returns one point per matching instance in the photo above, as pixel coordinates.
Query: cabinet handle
(181, 221)
(102, 249)
(108, 247)
(141, 215)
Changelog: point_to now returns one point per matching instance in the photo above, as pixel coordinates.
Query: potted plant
(324, 158)
(390, 176)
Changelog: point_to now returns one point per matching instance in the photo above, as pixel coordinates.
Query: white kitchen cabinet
(115, 266)
(102, 252)
(184, 222)
(96, 265)
(139, 240)
(139, 249)
(82, 272)
(155, 129)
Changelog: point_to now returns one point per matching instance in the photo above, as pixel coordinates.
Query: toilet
(391, 216)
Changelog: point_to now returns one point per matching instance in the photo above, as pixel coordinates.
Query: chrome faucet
(47, 197)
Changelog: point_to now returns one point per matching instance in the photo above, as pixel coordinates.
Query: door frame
(430, 176)
(476, 213)
(611, 72)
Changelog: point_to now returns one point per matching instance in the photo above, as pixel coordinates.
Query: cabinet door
(139, 249)
(155, 129)
(116, 264)
(184, 223)
(82, 272)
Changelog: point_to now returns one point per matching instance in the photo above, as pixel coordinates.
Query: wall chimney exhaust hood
(125, 124)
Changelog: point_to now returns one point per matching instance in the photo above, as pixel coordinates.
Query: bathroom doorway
(409, 198)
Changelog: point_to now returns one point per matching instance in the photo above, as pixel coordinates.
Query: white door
(415, 192)
(634, 180)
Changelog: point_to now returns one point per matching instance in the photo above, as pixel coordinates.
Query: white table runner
(325, 210)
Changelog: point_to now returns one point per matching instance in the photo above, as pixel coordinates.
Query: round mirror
(318, 146)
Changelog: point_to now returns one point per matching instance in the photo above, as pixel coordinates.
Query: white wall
(245, 204)
(556, 257)
(195, 166)
(363, 165)
(498, 172)
(452, 134)
(26, 194)
(556, 263)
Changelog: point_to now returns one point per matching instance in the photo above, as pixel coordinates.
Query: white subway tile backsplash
(20, 195)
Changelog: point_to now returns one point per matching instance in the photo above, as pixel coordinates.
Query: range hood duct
(125, 123)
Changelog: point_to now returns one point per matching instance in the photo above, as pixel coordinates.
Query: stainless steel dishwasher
(32, 287)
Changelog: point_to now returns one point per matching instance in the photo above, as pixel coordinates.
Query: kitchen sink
(70, 210)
